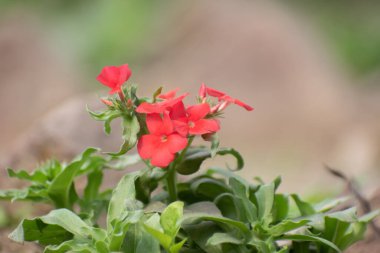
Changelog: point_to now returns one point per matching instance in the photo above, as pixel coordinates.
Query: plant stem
(171, 178)
(171, 184)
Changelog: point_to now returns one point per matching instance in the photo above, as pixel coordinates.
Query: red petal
(169, 94)
(154, 123)
(147, 145)
(124, 73)
(178, 111)
(176, 143)
(202, 91)
(204, 126)
(167, 124)
(159, 107)
(181, 126)
(149, 108)
(114, 77)
(244, 105)
(214, 93)
(162, 157)
(198, 111)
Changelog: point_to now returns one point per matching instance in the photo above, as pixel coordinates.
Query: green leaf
(329, 204)
(171, 218)
(94, 180)
(107, 116)
(286, 226)
(68, 221)
(177, 247)
(131, 215)
(226, 203)
(131, 129)
(310, 238)
(214, 144)
(194, 158)
(137, 240)
(123, 191)
(61, 190)
(193, 218)
(281, 207)
(122, 162)
(246, 209)
(36, 230)
(209, 188)
(304, 207)
(265, 200)
(153, 227)
(220, 238)
(74, 245)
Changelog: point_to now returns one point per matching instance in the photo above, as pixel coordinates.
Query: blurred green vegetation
(3, 218)
(98, 32)
(352, 28)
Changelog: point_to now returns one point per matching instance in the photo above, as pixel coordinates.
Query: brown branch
(352, 187)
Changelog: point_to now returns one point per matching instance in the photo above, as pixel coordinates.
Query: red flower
(162, 143)
(223, 98)
(162, 106)
(192, 120)
(114, 77)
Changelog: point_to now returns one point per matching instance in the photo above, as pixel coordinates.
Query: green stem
(171, 184)
(171, 178)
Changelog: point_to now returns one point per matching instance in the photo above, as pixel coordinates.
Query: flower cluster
(170, 123)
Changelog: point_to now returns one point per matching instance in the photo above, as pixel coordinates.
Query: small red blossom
(114, 77)
(162, 142)
(161, 106)
(223, 98)
(193, 120)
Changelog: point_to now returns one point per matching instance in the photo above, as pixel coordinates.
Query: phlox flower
(162, 142)
(114, 77)
(193, 120)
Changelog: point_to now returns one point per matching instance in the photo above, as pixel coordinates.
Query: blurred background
(311, 70)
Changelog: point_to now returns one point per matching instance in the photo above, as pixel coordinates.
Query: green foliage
(214, 211)
(227, 212)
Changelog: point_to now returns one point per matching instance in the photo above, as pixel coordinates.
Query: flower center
(191, 124)
(164, 138)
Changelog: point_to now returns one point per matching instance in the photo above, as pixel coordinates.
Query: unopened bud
(106, 102)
